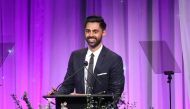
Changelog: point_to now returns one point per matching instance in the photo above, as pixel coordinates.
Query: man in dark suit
(104, 72)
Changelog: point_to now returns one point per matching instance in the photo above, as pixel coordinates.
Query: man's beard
(95, 43)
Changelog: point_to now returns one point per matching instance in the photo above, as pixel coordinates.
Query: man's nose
(91, 33)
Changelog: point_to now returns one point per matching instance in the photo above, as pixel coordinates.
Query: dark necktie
(90, 75)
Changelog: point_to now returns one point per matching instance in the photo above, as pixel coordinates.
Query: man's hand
(51, 92)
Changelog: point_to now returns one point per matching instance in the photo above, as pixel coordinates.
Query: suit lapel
(100, 61)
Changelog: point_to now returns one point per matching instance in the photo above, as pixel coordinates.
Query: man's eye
(87, 31)
(95, 31)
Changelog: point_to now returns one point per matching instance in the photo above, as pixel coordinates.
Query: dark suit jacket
(108, 72)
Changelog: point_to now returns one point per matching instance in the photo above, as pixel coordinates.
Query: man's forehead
(91, 29)
(93, 25)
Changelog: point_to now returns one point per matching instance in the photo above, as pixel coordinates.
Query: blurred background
(38, 36)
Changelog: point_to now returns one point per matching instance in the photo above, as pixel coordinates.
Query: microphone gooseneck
(84, 65)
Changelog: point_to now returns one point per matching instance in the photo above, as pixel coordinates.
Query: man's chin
(91, 44)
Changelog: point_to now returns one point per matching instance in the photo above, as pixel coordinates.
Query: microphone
(55, 90)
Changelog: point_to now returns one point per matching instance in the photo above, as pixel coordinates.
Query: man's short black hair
(97, 19)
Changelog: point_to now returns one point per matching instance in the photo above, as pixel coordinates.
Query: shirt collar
(96, 53)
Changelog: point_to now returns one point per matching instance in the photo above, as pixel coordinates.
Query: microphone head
(85, 63)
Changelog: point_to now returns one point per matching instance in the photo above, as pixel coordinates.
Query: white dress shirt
(87, 58)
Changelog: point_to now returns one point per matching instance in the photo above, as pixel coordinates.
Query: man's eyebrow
(92, 30)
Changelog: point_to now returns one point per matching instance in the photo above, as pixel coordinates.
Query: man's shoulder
(79, 51)
(111, 53)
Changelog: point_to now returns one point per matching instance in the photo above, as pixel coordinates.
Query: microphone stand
(92, 76)
(91, 103)
(169, 73)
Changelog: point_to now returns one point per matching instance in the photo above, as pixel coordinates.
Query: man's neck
(94, 49)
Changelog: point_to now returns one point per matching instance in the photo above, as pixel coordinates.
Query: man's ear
(104, 33)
